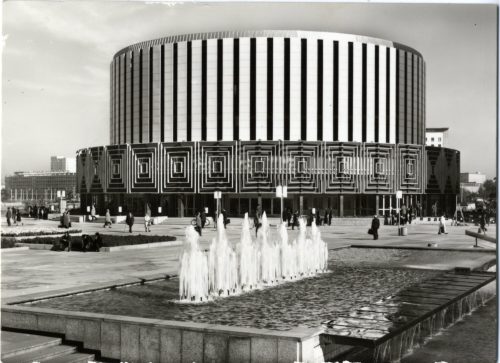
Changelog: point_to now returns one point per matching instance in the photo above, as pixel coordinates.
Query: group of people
(85, 244)
(38, 212)
(13, 216)
(406, 215)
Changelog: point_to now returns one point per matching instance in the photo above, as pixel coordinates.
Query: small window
(439, 139)
(432, 139)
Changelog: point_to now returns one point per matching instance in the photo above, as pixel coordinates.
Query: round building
(338, 119)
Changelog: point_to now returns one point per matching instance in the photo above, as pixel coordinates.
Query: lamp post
(399, 195)
(281, 192)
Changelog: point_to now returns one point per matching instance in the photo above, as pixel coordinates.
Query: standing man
(375, 226)
(130, 221)
(330, 215)
(8, 215)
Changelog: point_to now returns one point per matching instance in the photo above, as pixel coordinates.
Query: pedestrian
(66, 219)
(199, 223)
(224, 218)
(29, 211)
(35, 212)
(295, 221)
(330, 216)
(8, 215)
(18, 217)
(147, 221)
(375, 226)
(442, 225)
(410, 214)
(482, 223)
(256, 222)
(325, 219)
(92, 213)
(130, 221)
(107, 219)
(434, 209)
(288, 216)
(203, 217)
(40, 212)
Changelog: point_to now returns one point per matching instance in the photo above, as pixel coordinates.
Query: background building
(436, 136)
(43, 185)
(62, 163)
(337, 118)
(472, 181)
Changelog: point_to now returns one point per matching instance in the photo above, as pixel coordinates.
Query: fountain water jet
(230, 269)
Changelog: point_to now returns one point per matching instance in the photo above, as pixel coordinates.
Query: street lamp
(281, 192)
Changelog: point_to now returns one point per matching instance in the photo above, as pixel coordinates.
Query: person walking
(107, 219)
(224, 218)
(442, 225)
(295, 221)
(130, 221)
(203, 217)
(18, 217)
(147, 222)
(482, 223)
(8, 215)
(92, 213)
(330, 216)
(199, 223)
(256, 222)
(375, 226)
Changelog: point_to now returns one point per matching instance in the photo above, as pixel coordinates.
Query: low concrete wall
(149, 340)
(41, 246)
(14, 249)
(141, 246)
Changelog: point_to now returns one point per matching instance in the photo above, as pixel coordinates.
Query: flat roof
(436, 129)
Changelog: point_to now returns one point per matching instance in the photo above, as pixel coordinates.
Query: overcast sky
(56, 60)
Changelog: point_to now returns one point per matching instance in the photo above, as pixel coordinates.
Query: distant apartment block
(63, 163)
(436, 136)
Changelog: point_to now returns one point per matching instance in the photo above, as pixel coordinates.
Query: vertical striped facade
(270, 85)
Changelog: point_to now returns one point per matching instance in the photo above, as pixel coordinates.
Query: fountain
(230, 269)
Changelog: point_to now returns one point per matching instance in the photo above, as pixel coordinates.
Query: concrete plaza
(32, 271)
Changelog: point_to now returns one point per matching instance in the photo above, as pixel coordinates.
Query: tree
(489, 189)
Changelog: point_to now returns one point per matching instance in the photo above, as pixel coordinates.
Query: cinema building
(337, 118)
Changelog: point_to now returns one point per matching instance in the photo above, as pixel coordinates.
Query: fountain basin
(142, 338)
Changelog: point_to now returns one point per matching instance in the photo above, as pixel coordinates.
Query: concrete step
(71, 358)
(41, 354)
(19, 343)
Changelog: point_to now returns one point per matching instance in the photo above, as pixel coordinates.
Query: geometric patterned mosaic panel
(177, 167)
(301, 166)
(217, 166)
(81, 171)
(259, 168)
(443, 171)
(97, 169)
(409, 168)
(117, 168)
(342, 167)
(378, 166)
(144, 168)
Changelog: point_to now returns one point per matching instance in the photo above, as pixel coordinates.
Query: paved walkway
(26, 272)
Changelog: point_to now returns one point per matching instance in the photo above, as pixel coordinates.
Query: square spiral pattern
(301, 167)
(378, 169)
(117, 168)
(144, 168)
(258, 170)
(177, 167)
(342, 167)
(217, 166)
